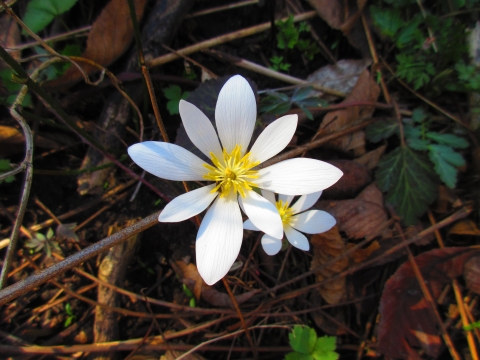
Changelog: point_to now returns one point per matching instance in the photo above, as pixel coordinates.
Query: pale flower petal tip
(271, 245)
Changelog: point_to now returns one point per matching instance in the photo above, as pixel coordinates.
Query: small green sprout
(71, 316)
(278, 64)
(40, 241)
(174, 94)
(307, 346)
(188, 292)
(5, 167)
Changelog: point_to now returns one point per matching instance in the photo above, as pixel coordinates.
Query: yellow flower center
(285, 211)
(232, 173)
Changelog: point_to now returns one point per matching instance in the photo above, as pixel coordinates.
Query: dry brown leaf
(9, 37)
(327, 246)
(370, 159)
(464, 227)
(341, 76)
(191, 277)
(172, 355)
(190, 273)
(361, 255)
(362, 217)
(343, 16)
(109, 38)
(366, 89)
(472, 274)
(355, 178)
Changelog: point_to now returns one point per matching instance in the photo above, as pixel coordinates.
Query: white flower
(231, 170)
(293, 219)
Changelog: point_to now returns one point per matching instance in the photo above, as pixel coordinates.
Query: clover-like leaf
(40, 13)
(445, 160)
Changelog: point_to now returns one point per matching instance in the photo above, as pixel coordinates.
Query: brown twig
(222, 39)
(270, 73)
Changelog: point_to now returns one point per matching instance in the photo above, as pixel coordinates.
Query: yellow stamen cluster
(285, 211)
(232, 173)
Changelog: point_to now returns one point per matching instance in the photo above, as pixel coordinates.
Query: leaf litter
(428, 171)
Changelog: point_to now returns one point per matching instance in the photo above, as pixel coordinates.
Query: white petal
(296, 238)
(313, 221)
(274, 138)
(262, 213)
(187, 205)
(168, 161)
(306, 202)
(298, 176)
(248, 225)
(286, 199)
(219, 239)
(270, 196)
(271, 245)
(236, 113)
(199, 129)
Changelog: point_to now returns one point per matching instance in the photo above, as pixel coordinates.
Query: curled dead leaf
(370, 159)
(472, 274)
(327, 246)
(366, 89)
(109, 38)
(406, 322)
(362, 217)
(464, 227)
(191, 277)
(355, 178)
(361, 255)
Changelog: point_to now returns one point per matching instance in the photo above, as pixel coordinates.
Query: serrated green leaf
(445, 160)
(381, 130)
(419, 115)
(448, 139)
(302, 339)
(298, 356)
(325, 348)
(41, 12)
(409, 181)
(389, 21)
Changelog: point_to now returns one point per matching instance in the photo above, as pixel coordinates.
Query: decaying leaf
(327, 246)
(355, 178)
(190, 273)
(9, 37)
(361, 217)
(366, 89)
(110, 36)
(342, 76)
(361, 255)
(172, 355)
(472, 274)
(191, 277)
(370, 159)
(343, 16)
(406, 322)
(464, 227)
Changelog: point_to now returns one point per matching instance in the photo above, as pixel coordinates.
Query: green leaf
(381, 130)
(174, 94)
(40, 236)
(302, 339)
(298, 356)
(413, 136)
(419, 115)
(325, 348)
(448, 139)
(4, 167)
(40, 13)
(50, 233)
(445, 160)
(409, 181)
(301, 93)
(389, 21)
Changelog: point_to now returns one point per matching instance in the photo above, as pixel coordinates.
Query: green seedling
(71, 317)
(5, 167)
(40, 13)
(174, 94)
(41, 242)
(278, 64)
(188, 292)
(307, 346)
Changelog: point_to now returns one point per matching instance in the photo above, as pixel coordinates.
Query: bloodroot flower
(232, 171)
(294, 218)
